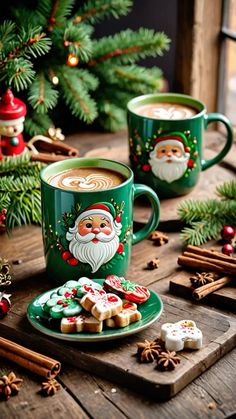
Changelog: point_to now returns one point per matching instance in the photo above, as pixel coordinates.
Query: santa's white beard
(169, 171)
(95, 254)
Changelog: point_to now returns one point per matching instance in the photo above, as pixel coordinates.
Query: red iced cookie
(127, 289)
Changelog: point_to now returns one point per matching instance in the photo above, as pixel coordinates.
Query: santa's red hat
(11, 109)
(105, 209)
(175, 139)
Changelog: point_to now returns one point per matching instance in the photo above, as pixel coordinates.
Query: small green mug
(72, 252)
(166, 141)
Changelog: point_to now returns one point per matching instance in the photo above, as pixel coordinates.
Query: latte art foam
(86, 179)
(168, 111)
(91, 182)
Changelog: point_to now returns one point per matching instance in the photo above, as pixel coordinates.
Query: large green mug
(166, 141)
(87, 221)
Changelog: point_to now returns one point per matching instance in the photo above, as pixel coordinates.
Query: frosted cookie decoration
(83, 323)
(181, 335)
(102, 305)
(62, 306)
(129, 314)
(127, 289)
(80, 287)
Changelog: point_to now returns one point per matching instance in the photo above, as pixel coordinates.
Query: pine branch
(132, 78)
(42, 96)
(19, 184)
(10, 164)
(76, 96)
(227, 190)
(112, 117)
(135, 45)
(36, 123)
(95, 10)
(205, 219)
(77, 39)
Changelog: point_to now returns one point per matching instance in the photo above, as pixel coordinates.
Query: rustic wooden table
(83, 394)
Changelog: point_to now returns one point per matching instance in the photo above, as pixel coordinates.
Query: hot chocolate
(165, 110)
(86, 179)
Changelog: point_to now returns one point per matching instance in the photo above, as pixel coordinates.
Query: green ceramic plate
(150, 311)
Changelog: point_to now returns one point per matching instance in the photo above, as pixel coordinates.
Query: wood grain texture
(225, 297)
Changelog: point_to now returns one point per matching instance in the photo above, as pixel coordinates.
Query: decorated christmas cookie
(62, 305)
(127, 289)
(180, 335)
(83, 323)
(102, 305)
(80, 287)
(128, 315)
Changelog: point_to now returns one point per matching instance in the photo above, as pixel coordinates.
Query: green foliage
(106, 66)
(18, 46)
(205, 219)
(20, 190)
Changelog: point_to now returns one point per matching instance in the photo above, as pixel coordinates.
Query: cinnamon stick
(219, 262)
(203, 291)
(32, 361)
(210, 253)
(193, 262)
(48, 158)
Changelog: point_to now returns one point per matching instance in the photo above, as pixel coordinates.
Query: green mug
(166, 141)
(90, 232)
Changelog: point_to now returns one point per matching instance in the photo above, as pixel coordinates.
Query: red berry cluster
(227, 234)
(3, 217)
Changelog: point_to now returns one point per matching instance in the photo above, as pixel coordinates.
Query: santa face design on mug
(94, 238)
(169, 158)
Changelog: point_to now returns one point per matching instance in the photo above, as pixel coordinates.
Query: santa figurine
(12, 116)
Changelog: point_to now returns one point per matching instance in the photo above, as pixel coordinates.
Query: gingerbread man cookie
(127, 289)
(101, 305)
(180, 335)
(129, 314)
(82, 323)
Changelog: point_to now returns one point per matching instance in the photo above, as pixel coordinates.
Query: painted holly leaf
(128, 285)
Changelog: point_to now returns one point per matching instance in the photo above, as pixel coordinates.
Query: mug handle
(214, 117)
(154, 217)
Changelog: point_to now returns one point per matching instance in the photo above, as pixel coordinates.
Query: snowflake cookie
(180, 335)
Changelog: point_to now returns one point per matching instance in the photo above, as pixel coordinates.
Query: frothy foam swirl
(172, 113)
(89, 183)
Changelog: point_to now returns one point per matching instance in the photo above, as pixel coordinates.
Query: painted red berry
(227, 249)
(146, 167)
(190, 163)
(4, 211)
(118, 218)
(66, 255)
(227, 233)
(72, 261)
(120, 248)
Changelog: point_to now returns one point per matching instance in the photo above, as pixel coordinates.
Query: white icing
(180, 335)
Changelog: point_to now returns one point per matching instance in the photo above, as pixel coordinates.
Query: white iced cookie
(180, 335)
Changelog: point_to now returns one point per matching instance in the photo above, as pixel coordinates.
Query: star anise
(148, 351)
(10, 385)
(203, 278)
(50, 387)
(153, 264)
(159, 238)
(167, 360)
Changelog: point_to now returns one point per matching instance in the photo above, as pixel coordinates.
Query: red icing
(60, 302)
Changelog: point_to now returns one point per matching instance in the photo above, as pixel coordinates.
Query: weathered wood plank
(29, 403)
(225, 297)
(117, 358)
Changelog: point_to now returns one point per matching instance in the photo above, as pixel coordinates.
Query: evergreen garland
(106, 75)
(205, 219)
(20, 190)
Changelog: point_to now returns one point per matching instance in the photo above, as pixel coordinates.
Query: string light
(55, 80)
(72, 60)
